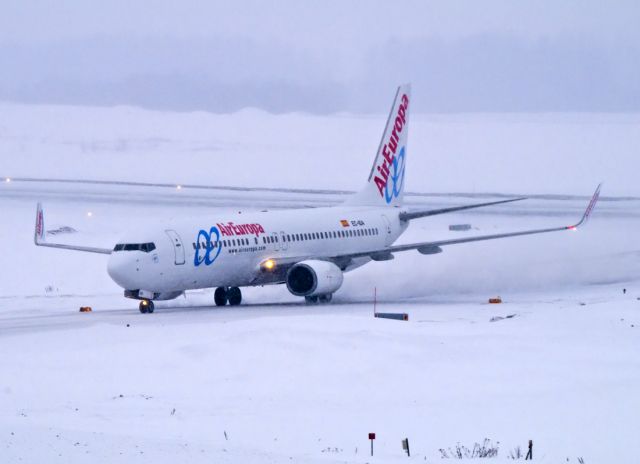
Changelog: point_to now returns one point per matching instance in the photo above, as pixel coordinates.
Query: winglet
(38, 235)
(589, 210)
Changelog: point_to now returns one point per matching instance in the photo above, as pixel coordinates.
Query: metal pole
(375, 299)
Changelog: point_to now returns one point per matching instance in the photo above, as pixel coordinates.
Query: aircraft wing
(434, 247)
(281, 265)
(39, 238)
(406, 216)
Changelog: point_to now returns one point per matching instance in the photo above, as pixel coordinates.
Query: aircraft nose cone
(119, 269)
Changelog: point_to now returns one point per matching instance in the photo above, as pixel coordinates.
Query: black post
(530, 452)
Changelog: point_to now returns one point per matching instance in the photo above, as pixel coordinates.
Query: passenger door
(178, 248)
(283, 238)
(386, 230)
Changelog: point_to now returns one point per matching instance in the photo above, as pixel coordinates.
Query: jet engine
(314, 278)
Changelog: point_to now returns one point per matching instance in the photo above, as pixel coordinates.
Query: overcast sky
(323, 56)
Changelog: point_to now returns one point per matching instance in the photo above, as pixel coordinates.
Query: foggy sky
(323, 57)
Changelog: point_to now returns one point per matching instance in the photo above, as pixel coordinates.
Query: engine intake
(314, 277)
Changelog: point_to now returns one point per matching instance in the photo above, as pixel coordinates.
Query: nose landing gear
(224, 295)
(146, 306)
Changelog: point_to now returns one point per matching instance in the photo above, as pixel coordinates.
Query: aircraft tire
(234, 294)
(146, 306)
(220, 296)
(325, 298)
(311, 299)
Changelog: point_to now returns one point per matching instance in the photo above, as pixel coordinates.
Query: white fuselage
(228, 251)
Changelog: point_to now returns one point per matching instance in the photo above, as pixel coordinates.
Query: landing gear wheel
(146, 306)
(325, 298)
(235, 296)
(311, 299)
(220, 296)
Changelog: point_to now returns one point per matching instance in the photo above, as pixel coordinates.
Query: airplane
(308, 250)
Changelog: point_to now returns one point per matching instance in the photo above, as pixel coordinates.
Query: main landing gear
(146, 306)
(224, 295)
(322, 299)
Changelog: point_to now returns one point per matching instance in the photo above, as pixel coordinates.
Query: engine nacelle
(314, 277)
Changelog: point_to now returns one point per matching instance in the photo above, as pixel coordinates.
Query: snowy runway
(277, 381)
(288, 382)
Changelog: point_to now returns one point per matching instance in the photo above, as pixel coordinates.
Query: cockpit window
(146, 247)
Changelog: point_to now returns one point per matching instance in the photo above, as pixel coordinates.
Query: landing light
(7, 180)
(89, 214)
(269, 265)
(178, 187)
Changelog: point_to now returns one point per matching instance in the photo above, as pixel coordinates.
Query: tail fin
(385, 186)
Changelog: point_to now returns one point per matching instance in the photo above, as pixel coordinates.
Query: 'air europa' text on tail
(389, 149)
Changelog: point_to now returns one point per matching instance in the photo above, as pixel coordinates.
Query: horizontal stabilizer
(407, 216)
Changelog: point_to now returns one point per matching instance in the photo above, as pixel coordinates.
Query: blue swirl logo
(211, 237)
(396, 178)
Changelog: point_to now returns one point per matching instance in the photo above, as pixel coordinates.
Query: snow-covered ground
(276, 381)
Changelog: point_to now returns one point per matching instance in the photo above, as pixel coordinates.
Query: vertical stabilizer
(385, 186)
